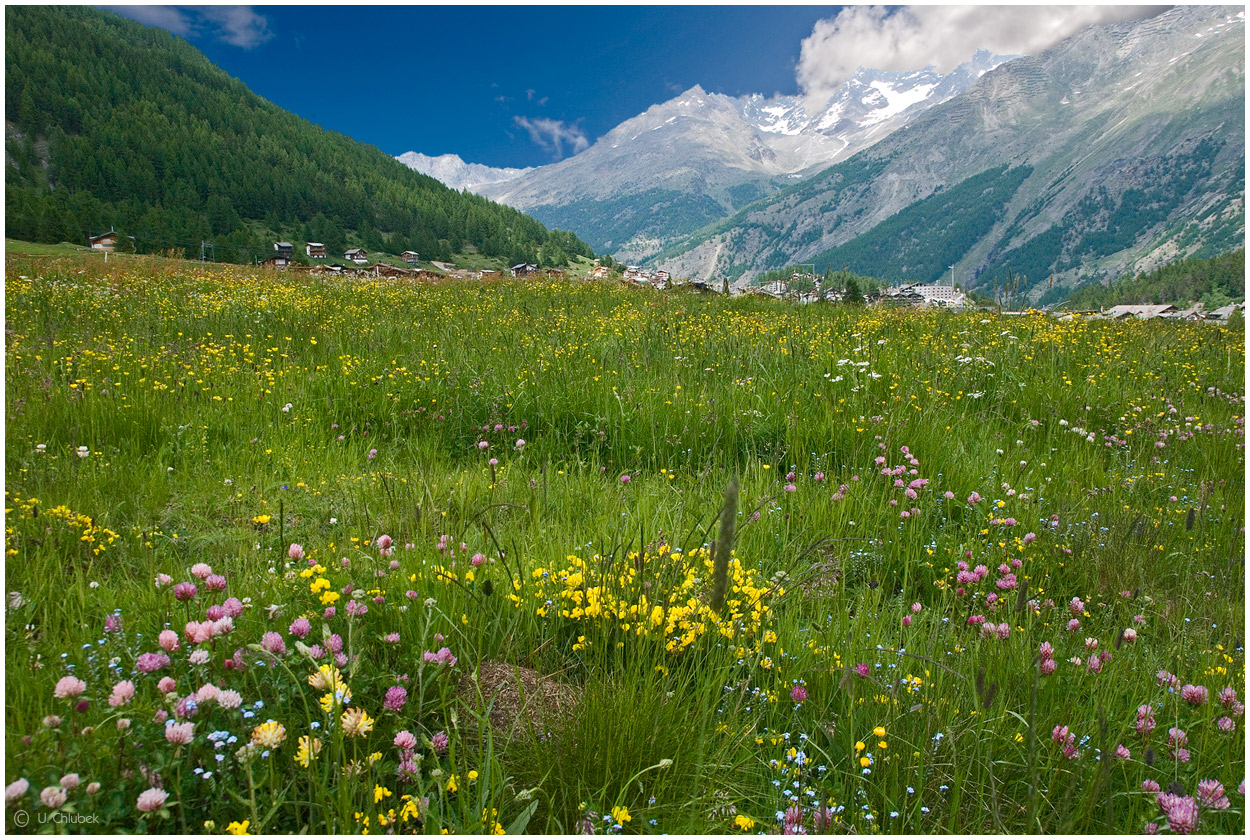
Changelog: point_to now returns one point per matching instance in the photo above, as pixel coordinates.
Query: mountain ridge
(1135, 129)
(732, 150)
(457, 174)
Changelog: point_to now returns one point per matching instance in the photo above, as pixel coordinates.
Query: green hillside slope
(1212, 282)
(114, 124)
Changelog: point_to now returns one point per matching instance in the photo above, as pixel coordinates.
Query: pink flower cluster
(1211, 794)
(407, 744)
(1177, 739)
(989, 630)
(442, 657)
(396, 697)
(152, 799)
(1228, 699)
(149, 662)
(122, 694)
(1195, 695)
(968, 576)
(1145, 721)
(68, 687)
(1181, 811)
(1046, 659)
(1062, 736)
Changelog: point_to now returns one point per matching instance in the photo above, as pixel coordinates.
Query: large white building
(932, 294)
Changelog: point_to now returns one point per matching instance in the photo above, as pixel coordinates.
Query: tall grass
(226, 416)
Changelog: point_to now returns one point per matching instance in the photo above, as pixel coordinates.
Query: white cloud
(239, 26)
(553, 135)
(914, 37)
(166, 17)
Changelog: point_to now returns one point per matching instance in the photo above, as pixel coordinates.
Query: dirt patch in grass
(516, 697)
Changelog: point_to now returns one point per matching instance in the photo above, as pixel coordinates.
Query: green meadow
(345, 555)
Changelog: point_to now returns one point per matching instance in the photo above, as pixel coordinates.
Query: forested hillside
(920, 243)
(1213, 282)
(112, 124)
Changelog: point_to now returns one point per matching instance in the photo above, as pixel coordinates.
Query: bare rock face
(1132, 135)
(701, 156)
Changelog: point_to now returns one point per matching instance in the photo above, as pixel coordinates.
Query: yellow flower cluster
(661, 594)
(408, 811)
(97, 537)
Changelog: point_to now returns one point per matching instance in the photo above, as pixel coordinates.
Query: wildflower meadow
(289, 554)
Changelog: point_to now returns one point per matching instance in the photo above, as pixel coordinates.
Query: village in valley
(809, 287)
(804, 286)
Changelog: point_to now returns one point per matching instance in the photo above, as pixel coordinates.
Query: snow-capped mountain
(868, 106)
(701, 156)
(1117, 149)
(457, 174)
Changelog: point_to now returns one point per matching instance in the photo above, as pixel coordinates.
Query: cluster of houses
(359, 264)
(635, 276)
(805, 287)
(283, 252)
(1149, 311)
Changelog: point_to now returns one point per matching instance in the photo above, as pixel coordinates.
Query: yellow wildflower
(409, 811)
(327, 678)
(620, 815)
(239, 827)
(356, 723)
(309, 748)
(269, 734)
(339, 698)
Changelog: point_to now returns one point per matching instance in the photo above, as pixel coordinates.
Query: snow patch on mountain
(455, 173)
(896, 101)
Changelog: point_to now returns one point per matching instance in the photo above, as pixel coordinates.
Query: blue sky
(462, 78)
(528, 85)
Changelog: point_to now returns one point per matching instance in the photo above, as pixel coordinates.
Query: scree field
(287, 553)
